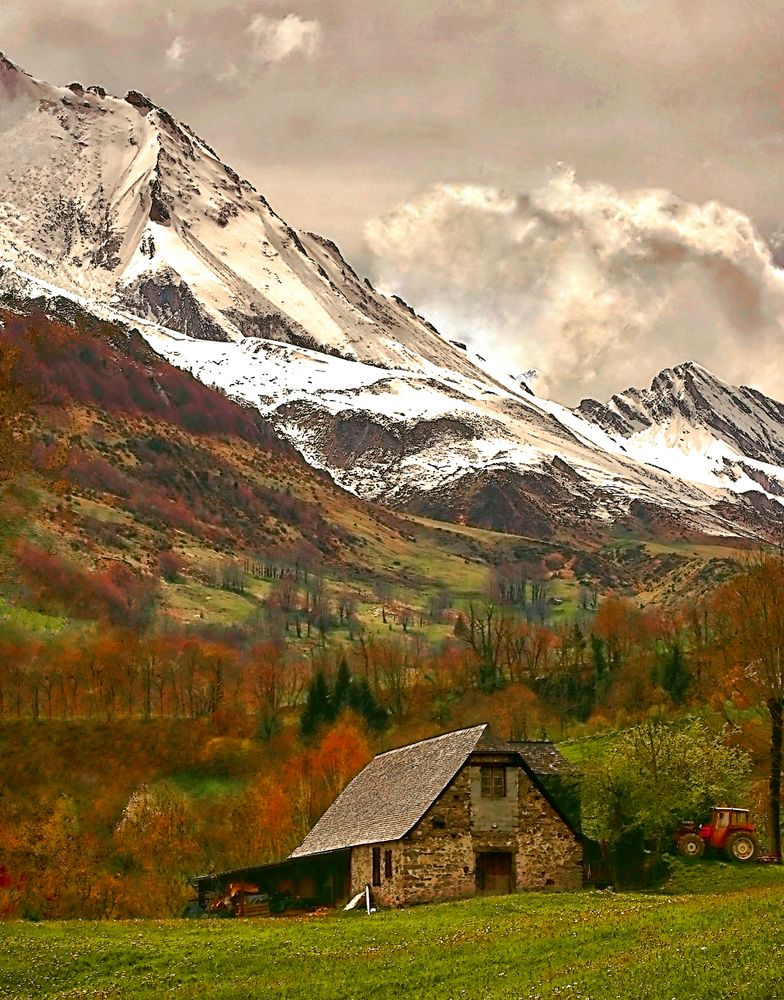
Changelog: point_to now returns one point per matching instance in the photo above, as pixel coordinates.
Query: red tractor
(729, 830)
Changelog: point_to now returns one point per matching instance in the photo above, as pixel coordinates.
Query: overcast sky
(340, 112)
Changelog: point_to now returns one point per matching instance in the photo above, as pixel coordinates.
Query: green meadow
(713, 931)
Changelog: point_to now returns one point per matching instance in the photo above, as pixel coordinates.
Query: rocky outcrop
(163, 297)
(142, 104)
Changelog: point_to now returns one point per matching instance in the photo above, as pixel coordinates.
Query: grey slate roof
(541, 756)
(391, 794)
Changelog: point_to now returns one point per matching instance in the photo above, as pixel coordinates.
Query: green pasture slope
(716, 932)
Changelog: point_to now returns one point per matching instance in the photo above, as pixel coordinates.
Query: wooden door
(493, 873)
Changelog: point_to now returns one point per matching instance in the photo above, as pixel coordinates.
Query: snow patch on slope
(115, 205)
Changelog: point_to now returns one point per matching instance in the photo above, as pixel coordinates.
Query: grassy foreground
(698, 944)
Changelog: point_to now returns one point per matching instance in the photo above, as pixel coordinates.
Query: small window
(439, 823)
(387, 864)
(376, 866)
(493, 782)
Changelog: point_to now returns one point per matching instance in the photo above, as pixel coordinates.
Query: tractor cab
(725, 817)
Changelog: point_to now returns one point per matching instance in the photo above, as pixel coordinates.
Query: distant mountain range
(113, 204)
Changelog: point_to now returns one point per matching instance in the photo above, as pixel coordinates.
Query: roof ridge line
(431, 739)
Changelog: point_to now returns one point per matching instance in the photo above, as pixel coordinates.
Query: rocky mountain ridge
(117, 206)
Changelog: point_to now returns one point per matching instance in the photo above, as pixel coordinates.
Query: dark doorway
(494, 873)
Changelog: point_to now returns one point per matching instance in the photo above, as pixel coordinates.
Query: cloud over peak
(176, 52)
(598, 289)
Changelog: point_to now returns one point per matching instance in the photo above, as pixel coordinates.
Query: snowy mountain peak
(115, 204)
(118, 202)
(693, 423)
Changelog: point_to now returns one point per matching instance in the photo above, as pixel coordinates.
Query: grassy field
(714, 932)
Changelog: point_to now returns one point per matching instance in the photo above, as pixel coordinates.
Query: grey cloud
(595, 288)
(683, 95)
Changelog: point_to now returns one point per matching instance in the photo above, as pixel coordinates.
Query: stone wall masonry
(549, 854)
(391, 891)
(439, 854)
(437, 859)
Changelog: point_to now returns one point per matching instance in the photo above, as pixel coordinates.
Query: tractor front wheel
(741, 847)
(691, 845)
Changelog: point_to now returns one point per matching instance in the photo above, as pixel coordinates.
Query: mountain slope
(115, 205)
(133, 459)
(695, 425)
(116, 201)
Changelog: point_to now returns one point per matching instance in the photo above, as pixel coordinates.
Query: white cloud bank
(597, 289)
(276, 39)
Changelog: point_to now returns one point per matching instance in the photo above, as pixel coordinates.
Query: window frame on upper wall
(492, 781)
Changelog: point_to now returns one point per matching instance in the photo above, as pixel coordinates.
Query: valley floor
(713, 932)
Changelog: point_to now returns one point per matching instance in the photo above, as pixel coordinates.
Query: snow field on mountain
(114, 204)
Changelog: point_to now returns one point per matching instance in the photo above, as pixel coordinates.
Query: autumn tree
(485, 633)
(16, 402)
(384, 596)
(261, 821)
(392, 666)
(342, 753)
(317, 775)
(155, 834)
(62, 853)
(750, 630)
(265, 673)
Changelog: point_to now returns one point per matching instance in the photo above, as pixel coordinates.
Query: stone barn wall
(437, 859)
(439, 855)
(391, 891)
(549, 855)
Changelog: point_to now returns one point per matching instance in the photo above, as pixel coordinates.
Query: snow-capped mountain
(114, 204)
(117, 202)
(684, 409)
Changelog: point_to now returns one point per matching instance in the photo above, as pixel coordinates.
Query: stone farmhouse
(457, 815)
(449, 817)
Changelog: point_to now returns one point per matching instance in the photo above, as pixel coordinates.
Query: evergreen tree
(318, 706)
(343, 682)
(361, 700)
(599, 662)
(675, 675)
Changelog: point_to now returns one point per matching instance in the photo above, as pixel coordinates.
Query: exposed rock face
(164, 298)
(500, 499)
(139, 101)
(271, 326)
(159, 210)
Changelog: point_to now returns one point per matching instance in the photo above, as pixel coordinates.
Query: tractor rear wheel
(741, 847)
(691, 845)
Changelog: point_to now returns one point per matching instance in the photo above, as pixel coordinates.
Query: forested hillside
(202, 638)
